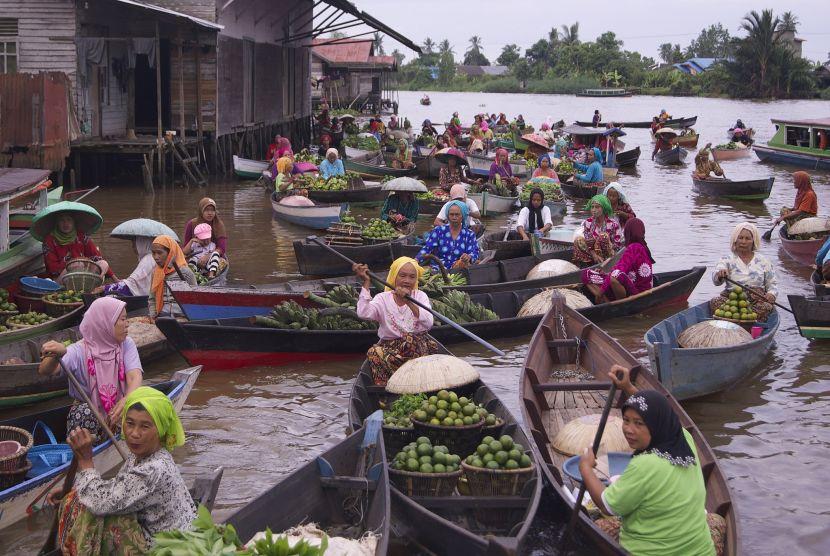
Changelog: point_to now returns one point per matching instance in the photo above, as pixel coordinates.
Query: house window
(8, 45)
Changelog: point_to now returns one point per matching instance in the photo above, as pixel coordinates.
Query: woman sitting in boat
(66, 242)
(455, 244)
(705, 165)
(658, 504)
(662, 142)
(284, 149)
(590, 173)
(209, 215)
(600, 235)
(520, 122)
(403, 327)
(748, 267)
(560, 148)
(739, 125)
(428, 129)
(619, 203)
(403, 157)
(476, 140)
(545, 169)
(273, 148)
(596, 119)
(166, 252)
(332, 165)
(105, 362)
(451, 174)
(454, 128)
(446, 141)
(137, 283)
(664, 116)
(147, 496)
(325, 144)
(631, 275)
(400, 209)
(806, 202)
(502, 119)
(458, 192)
(655, 125)
(284, 179)
(501, 167)
(534, 219)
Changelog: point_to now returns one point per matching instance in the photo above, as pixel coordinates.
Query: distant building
(823, 74)
(792, 42)
(479, 71)
(695, 66)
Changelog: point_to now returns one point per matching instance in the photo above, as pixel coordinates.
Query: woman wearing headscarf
(591, 174)
(403, 327)
(165, 253)
(501, 168)
(535, 217)
(403, 156)
(545, 169)
(600, 235)
(662, 142)
(705, 166)
(284, 177)
(325, 144)
(747, 267)
(148, 495)
(65, 242)
(137, 283)
(400, 208)
(445, 141)
(105, 362)
(806, 202)
(454, 128)
(560, 148)
(455, 244)
(476, 140)
(451, 174)
(503, 119)
(658, 504)
(284, 148)
(458, 192)
(428, 129)
(273, 148)
(209, 215)
(631, 275)
(332, 165)
(619, 203)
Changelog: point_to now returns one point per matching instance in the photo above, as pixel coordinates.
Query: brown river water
(770, 431)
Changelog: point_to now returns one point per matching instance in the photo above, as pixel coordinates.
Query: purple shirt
(503, 171)
(221, 242)
(75, 362)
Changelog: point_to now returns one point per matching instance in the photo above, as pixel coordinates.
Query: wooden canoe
(373, 166)
(672, 156)
(800, 250)
(567, 343)
(317, 217)
(692, 373)
(578, 190)
(431, 206)
(490, 203)
(628, 159)
(812, 315)
(247, 168)
(59, 323)
(344, 488)
(428, 166)
(745, 190)
(672, 122)
(819, 287)
(450, 524)
(314, 260)
(365, 192)
(688, 141)
(721, 155)
(15, 502)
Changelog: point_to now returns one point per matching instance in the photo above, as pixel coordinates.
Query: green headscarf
(602, 201)
(171, 432)
(62, 238)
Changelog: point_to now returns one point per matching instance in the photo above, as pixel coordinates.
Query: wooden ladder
(188, 162)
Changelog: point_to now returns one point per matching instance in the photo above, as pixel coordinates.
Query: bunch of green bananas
(457, 306)
(338, 313)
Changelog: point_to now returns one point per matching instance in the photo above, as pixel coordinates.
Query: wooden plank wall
(203, 9)
(207, 64)
(114, 104)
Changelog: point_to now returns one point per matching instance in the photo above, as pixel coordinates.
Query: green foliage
(510, 54)
(446, 67)
(712, 42)
(825, 94)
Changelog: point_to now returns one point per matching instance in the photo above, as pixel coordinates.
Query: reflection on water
(770, 430)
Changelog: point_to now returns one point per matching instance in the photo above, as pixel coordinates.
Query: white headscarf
(756, 239)
(333, 151)
(616, 187)
(140, 279)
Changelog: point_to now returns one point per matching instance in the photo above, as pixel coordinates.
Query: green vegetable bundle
(398, 416)
(566, 167)
(457, 306)
(306, 156)
(550, 188)
(206, 538)
(338, 313)
(362, 142)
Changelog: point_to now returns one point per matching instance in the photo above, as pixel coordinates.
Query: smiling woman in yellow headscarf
(166, 252)
(403, 327)
(147, 496)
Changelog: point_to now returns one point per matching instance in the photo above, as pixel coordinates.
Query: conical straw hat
(551, 267)
(578, 434)
(809, 225)
(541, 303)
(713, 333)
(430, 373)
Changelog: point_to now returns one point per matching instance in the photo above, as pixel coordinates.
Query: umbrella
(142, 227)
(405, 184)
(536, 139)
(87, 219)
(346, 117)
(666, 130)
(444, 155)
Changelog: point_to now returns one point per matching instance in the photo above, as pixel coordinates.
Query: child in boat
(201, 251)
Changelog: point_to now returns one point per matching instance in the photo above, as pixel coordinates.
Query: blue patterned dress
(440, 243)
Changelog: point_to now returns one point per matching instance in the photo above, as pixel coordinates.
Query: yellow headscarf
(171, 432)
(283, 164)
(397, 264)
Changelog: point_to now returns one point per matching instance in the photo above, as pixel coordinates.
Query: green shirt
(662, 507)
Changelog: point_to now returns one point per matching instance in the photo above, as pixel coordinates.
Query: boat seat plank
(350, 483)
(571, 386)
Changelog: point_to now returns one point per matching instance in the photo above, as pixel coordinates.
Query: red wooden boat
(800, 250)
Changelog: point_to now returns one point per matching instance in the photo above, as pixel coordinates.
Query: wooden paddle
(606, 411)
(768, 234)
(758, 294)
(436, 314)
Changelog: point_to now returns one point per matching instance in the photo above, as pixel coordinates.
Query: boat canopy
(579, 130)
(823, 122)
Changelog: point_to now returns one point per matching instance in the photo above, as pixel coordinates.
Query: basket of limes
(7, 308)
(451, 420)
(27, 320)
(62, 302)
(421, 469)
(499, 467)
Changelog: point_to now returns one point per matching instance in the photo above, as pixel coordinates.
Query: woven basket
(424, 484)
(27, 302)
(395, 438)
(461, 441)
(496, 482)
(9, 479)
(83, 265)
(15, 461)
(54, 309)
(82, 281)
(493, 430)
(6, 314)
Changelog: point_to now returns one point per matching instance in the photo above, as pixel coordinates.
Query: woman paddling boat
(657, 506)
(633, 273)
(455, 244)
(403, 327)
(705, 166)
(806, 202)
(147, 496)
(600, 235)
(535, 218)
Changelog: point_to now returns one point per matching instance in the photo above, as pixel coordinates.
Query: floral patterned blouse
(440, 243)
(590, 230)
(447, 178)
(152, 488)
(759, 273)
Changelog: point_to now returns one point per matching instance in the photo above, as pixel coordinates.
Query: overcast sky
(636, 22)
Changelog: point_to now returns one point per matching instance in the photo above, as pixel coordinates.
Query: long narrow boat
(428, 166)
(234, 343)
(16, 502)
(577, 190)
(346, 488)
(451, 524)
(721, 155)
(627, 159)
(314, 260)
(53, 325)
(745, 190)
(800, 250)
(431, 206)
(672, 122)
(318, 217)
(364, 192)
(672, 156)
(812, 315)
(490, 203)
(797, 142)
(24, 254)
(373, 166)
(247, 168)
(565, 348)
(511, 247)
(688, 141)
(692, 373)
(352, 152)
(819, 287)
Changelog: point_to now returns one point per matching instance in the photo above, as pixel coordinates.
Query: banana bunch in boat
(457, 306)
(432, 283)
(306, 156)
(342, 295)
(334, 183)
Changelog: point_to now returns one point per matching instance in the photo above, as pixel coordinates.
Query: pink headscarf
(284, 148)
(458, 191)
(501, 152)
(104, 358)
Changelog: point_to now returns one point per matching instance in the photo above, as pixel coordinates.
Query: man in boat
(705, 166)
(597, 118)
(662, 142)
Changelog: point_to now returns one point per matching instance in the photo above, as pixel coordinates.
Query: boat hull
(749, 190)
(674, 156)
(782, 156)
(801, 251)
(819, 287)
(16, 501)
(247, 168)
(577, 190)
(812, 315)
(428, 166)
(314, 260)
(673, 123)
(489, 203)
(628, 159)
(376, 168)
(721, 155)
(317, 217)
(692, 373)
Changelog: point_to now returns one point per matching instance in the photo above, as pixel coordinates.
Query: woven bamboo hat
(578, 434)
(810, 225)
(541, 303)
(713, 333)
(430, 373)
(550, 268)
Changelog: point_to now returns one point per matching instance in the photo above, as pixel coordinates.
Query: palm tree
(789, 22)
(570, 35)
(429, 46)
(763, 38)
(444, 46)
(378, 40)
(475, 44)
(553, 36)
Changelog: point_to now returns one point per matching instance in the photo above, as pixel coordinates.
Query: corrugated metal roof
(372, 22)
(168, 11)
(822, 122)
(343, 52)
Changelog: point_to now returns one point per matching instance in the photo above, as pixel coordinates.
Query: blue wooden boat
(318, 217)
(691, 373)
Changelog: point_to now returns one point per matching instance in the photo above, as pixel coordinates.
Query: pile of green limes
(448, 409)
(422, 457)
(499, 454)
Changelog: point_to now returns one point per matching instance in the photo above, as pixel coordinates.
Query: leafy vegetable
(205, 538)
(278, 546)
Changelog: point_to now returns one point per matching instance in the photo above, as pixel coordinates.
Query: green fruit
(422, 440)
(467, 421)
(442, 449)
(733, 295)
(492, 465)
(501, 457)
(433, 400)
(439, 468)
(477, 462)
(426, 468)
(483, 449)
(440, 457)
(452, 415)
(441, 413)
(495, 446)
(459, 423)
(412, 465)
(424, 449)
(448, 422)
(420, 415)
(443, 395)
(455, 406)
(468, 409)
(453, 397)
(487, 440)
(506, 441)
(525, 461)
(511, 464)
(463, 400)
(490, 420)
(434, 421)
(443, 404)
(488, 457)
(514, 454)
(431, 409)
(425, 459)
